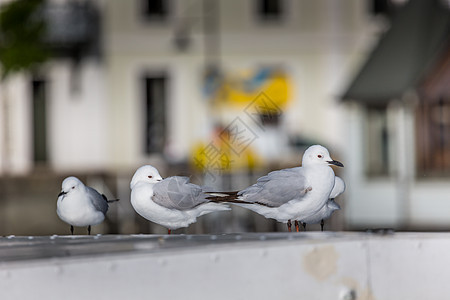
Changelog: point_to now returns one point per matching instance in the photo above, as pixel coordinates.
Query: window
(385, 7)
(269, 10)
(39, 95)
(155, 10)
(377, 151)
(380, 7)
(433, 137)
(155, 113)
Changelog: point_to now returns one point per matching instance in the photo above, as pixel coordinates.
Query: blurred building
(166, 82)
(398, 120)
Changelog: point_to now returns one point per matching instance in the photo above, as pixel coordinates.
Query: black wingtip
(224, 193)
(109, 201)
(227, 196)
(221, 199)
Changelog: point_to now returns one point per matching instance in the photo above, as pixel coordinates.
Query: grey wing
(178, 193)
(277, 188)
(99, 201)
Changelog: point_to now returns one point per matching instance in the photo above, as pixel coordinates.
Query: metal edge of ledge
(26, 248)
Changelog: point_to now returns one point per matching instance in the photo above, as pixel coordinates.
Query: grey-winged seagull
(290, 194)
(172, 202)
(81, 205)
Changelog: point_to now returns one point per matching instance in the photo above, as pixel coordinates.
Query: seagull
(80, 205)
(289, 194)
(326, 211)
(172, 202)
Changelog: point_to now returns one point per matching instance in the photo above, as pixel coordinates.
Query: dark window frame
(39, 99)
(263, 14)
(378, 159)
(161, 16)
(433, 138)
(154, 107)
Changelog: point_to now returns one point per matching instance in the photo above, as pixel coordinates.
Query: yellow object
(264, 91)
(276, 88)
(221, 158)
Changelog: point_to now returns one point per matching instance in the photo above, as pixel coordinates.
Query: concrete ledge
(310, 265)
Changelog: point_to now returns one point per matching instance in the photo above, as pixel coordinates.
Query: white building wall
(78, 117)
(369, 201)
(99, 127)
(15, 134)
(76, 121)
(402, 199)
(301, 44)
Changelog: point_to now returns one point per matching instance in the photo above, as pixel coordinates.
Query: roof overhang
(418, 33)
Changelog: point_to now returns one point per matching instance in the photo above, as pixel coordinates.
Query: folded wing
(178, 193)
(277, 188)
(99, 202)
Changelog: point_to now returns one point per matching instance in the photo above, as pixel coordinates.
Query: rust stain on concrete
(321, 262)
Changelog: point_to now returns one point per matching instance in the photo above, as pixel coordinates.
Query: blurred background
(224, 92)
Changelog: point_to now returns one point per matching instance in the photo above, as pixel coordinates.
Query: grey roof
(419, 31)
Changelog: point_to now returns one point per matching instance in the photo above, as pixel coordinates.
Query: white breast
(77, 210)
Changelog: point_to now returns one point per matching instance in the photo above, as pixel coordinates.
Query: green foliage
(22, 31)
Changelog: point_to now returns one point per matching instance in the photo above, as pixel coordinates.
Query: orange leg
(297, 228)
(289, 225)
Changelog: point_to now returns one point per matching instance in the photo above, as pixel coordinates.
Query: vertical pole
(4, 135)
(211, 21)
(406, 157)
(442, 134)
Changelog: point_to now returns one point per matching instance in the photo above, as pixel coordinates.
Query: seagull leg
(89, 229)
(296, 226)
(304, 226)
(169, 231)
(321, 224)
(71, 229)
(289, 225)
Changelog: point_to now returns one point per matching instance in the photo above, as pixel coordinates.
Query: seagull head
(318, 155)
(146, 174)
(70, 184)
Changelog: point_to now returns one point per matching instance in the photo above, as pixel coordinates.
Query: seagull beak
(61, 194)
(336, 163)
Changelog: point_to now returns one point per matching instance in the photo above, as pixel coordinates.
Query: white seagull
(326, 211)
(172, 202)
(80, 205)
(290, 194)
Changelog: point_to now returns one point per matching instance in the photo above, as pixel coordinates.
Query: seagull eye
(319, 156)
(150, 176)
(73, 187)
